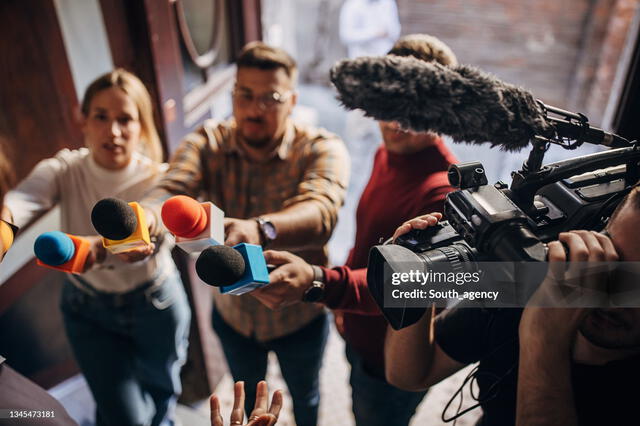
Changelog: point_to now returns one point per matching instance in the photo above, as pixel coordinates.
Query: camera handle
(525, 185)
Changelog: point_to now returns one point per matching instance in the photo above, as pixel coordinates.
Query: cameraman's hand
(260, 416)
(557, 325)
(420, 222)
(287, 283)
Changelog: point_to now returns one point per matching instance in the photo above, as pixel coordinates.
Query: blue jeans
(130, 349)
(374, 401)
(299, 355)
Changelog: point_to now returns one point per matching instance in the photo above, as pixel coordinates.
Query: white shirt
(76, 182)
(369, 27)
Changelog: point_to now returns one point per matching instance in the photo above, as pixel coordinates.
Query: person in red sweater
(409, 178)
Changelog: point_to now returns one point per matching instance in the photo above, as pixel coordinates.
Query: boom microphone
(463, 102)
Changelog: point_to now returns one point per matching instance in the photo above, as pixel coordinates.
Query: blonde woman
(127, 320)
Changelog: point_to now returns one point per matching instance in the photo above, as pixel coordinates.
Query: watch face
(269, 230)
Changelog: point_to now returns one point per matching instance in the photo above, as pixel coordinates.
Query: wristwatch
(315, 293)
(268, 231)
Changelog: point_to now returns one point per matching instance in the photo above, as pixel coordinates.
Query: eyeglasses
(8, 233)
(268, 101)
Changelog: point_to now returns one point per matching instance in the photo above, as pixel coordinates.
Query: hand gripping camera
(487, 223)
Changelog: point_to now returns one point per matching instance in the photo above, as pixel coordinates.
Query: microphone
(235, 270)
(61, 251)
(463, 102)
(122, 225)
(195, 225)
(7, 235)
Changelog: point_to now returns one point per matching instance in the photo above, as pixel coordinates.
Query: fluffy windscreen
(463, 102)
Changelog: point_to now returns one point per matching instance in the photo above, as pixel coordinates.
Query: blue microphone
(62, 251)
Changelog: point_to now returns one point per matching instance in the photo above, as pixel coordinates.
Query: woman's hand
(260, 416)
(97, 252)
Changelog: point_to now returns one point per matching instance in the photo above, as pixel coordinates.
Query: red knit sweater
(401, 186)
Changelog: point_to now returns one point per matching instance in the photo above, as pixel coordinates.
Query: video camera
(487, 223)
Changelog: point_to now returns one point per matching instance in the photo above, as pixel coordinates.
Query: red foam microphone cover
(184, 217)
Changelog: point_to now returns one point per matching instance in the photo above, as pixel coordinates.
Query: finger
(595, 249)
(557, 258)
(262, 398)
(277, 257)
(263, 420)
(401, 230)
(421, 223)
(578, 251)
(610, 252)
(216, 417)
(237, 414)
(432, 218)
(276, 403)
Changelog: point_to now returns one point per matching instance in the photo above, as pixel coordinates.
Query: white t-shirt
(369, 27)
(73, 180)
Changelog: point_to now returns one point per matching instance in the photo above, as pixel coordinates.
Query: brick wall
(565, 52)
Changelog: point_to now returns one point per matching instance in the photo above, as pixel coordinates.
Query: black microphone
(122, 225)
(236, 270)
(463, 102)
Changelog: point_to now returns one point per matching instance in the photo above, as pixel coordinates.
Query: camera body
(487, 223)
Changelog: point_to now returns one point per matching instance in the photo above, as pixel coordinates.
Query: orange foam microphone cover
(184, 217)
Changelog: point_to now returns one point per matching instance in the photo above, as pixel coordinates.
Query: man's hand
(547, 335)
(420, 222)
(575, 279)
(97, 252)
(241, 231)
(287, 283)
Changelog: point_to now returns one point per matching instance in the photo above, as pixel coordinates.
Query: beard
(254, 141)
(612, 329)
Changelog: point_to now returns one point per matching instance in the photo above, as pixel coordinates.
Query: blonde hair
(257, 54)
(6, 172)
(424, 47)
(132, 86)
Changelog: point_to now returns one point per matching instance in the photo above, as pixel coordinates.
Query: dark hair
(424, 47)
(257, 54)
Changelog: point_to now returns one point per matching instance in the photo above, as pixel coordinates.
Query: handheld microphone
(235, 270)
(122, 225)
(463, 102)
(195, 225)
(61, 251)
(8, 233)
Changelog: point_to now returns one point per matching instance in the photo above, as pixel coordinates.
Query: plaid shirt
(309, 165)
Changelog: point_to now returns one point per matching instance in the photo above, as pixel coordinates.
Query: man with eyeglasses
(280, 185)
